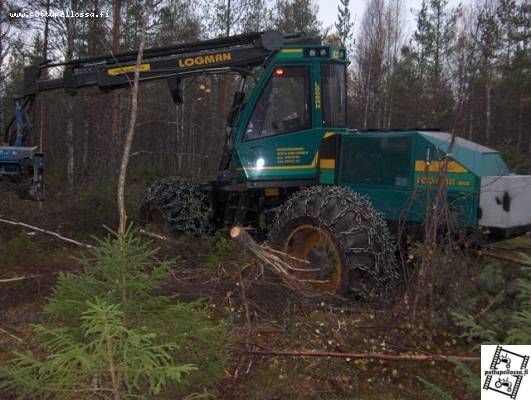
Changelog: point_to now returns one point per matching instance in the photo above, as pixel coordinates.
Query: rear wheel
(176, 205)
(344, 240)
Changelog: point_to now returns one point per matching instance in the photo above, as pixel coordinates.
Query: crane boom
(115, 71)
(22, 167)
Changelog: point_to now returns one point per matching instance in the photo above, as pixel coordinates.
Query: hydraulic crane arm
(115, 71)
(22, 167)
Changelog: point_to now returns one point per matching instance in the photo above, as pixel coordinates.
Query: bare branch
(23, 278)
(513, 260)
(47, 232)
(370, 356)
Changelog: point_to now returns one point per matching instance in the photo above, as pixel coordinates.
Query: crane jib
(181, 63)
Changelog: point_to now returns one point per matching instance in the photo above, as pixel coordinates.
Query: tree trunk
(70, 160)
(42, 105)
(367, 100)
(520, 130)
(228, 19)
(115, 96)
(488, 101)
(2, 77)
(86, 134)
(70, 183)
(130, 130)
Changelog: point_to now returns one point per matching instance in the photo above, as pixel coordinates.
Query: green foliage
(507, 291)
(112, 359)
(434, 41)
(122, 271)
(344, 25)
(121, 282)
(435, 392)
(521, 319)
(20, 249)
(222, 251)
(490, 279)
(297, 16)
(469, 380)
(473, 332)
(515, 157)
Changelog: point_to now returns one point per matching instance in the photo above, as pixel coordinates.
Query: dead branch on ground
(47, 232)
(23, 278)
(12, 336)
(158, 236)
(513, 260)
(495, 300)
(371, 356)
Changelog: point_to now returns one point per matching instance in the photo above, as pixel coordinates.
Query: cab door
(281, 134)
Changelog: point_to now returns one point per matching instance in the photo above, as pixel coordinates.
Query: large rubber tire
(177, 206)
(359, 233)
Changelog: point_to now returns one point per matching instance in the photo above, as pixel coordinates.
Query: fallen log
(513, 260)
(47, 232)
(26, 277)
(371, 356)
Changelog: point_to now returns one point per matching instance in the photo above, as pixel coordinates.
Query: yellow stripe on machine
(327, 163)
(128, 68)
(436, 166)
(291, 51)
(271, 192)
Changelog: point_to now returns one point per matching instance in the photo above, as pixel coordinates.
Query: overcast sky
(328, 10)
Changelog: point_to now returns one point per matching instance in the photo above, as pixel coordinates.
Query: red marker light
(279, 71)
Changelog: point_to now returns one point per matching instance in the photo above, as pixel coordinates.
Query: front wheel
(343, 239)
(177, 206)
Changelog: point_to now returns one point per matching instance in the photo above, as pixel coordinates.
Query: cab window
(283, 106)
(334, 95)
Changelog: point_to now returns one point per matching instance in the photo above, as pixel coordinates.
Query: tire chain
(383, 271)
(183, 204)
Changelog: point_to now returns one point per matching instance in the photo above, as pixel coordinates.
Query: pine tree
(258, 16)
(344, 25)
(434, 39)
(113, 361)
(112, 312)
(297, 16)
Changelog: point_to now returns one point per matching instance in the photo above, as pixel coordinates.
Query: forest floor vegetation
(478, 303)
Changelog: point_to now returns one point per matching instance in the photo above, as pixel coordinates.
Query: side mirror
(174, 84)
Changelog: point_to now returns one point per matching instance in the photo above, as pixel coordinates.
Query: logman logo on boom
(201, 60)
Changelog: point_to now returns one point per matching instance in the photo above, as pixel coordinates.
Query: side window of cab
(284, 104)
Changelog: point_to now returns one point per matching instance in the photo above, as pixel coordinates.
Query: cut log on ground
(366, 356)
(271, 260)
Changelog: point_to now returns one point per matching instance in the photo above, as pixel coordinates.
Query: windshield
(334, 95)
